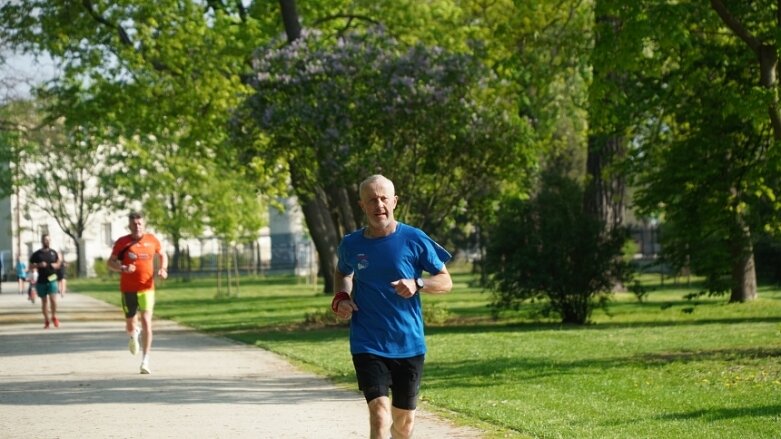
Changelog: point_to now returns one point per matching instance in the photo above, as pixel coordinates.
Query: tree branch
(123, 37)
(735, 25)
(347, 16)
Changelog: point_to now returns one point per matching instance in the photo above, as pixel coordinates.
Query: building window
(43, 229)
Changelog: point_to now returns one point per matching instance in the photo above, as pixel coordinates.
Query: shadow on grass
(446, 374)
(725, 413)
(532, 327)
(710, 415)
(265, 320)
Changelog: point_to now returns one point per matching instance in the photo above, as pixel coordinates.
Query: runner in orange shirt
(133, 256)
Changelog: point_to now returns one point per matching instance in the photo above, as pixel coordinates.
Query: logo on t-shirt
(363, 261)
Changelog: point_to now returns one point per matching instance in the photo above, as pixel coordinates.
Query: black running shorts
(379, 376)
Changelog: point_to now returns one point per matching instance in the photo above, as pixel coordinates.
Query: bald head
(378, 199)
(379, 180)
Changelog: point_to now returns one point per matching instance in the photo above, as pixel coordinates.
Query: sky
(20, 72)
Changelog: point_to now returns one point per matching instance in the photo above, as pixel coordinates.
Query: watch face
(419, 282)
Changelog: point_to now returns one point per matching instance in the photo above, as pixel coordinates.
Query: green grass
(665, 368)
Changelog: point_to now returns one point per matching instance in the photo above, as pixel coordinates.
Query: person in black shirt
(47, 261)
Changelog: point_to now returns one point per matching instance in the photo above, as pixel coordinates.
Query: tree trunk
(325, 236)
(290, 19)
(78, 258)
(605, 193)
(744, 275)
(768, 65)
(340, 200)
(175, 264)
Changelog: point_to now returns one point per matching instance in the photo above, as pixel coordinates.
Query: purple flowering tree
(331, 113)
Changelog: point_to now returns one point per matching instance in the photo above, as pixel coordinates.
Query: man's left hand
(404, 287)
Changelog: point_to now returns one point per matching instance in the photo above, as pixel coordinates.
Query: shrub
(101, 271)
(547, 249)
(435, 314)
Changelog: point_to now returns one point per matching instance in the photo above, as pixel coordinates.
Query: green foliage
(155, 82)
(436, 313)
(101, 270)
(703, 156)
(547, 249)
(19, 134)
(704, 254)
(323, 318)
(639, 290)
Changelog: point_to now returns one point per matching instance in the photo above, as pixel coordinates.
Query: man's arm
(163, 271)
(58, 263)
(439, 283)
(342, 303)
(342, 282)
(114, 264)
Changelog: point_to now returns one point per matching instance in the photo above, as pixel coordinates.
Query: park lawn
(665, 368)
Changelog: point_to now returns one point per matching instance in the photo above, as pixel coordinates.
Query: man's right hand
(346, 308)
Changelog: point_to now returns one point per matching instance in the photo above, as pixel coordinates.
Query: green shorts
(139, 301)
(44, 290)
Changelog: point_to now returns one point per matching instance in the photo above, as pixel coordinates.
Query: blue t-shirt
(387, 324)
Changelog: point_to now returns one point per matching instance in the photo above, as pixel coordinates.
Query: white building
(281, 247)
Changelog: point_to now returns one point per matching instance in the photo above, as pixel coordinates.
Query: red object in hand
(338, 298)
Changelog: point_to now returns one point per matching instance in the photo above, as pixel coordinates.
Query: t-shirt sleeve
(115, 248)
(343, 265)
(434, 255)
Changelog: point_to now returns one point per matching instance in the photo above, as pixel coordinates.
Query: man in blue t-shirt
(377, 281)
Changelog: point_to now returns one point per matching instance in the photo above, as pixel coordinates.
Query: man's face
(45, 241)
(136, 226)
(378, 201)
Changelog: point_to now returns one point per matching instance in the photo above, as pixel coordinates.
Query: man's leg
(130, 325)
(403, 423)
(146, 337)
(45, 311)
(379, 418)
(53, 298)
(130, 309)
(146, 340)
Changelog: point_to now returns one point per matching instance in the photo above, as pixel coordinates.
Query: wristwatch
(419, 284)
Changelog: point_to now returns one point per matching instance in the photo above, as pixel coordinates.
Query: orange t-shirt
(140, 253)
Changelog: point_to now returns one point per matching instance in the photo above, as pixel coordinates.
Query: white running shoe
(132, 345)
(145, 370)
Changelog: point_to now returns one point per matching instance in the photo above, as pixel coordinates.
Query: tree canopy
(200, 107)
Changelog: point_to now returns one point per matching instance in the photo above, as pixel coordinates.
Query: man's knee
(380, 413)
(403, 422)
